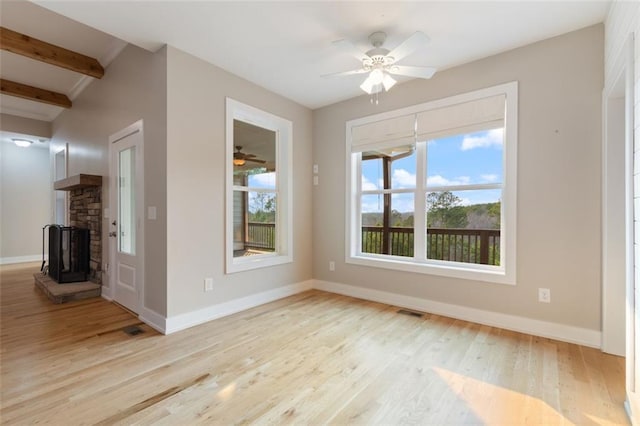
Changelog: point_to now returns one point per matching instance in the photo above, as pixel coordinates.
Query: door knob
(114, 223)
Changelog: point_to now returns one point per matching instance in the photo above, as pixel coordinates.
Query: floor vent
(133, 330)
(411, 313)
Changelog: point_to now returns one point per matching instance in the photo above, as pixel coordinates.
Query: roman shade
(384, 134)
(480, 114)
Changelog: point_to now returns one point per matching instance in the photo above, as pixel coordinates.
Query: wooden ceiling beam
(34, 93)
(39, 50)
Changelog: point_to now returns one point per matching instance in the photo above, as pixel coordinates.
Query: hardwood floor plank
(313, 358)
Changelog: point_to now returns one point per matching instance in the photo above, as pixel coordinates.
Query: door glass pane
(61, 199)
(127, 201)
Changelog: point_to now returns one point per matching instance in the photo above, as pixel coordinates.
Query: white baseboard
(153, 320)
(189, 319)
(21, 259)
(565, 333)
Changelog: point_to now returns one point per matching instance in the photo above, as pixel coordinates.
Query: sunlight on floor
(496, 405)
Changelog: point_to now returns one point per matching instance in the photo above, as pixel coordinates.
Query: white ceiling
(286, 46)
(283, 46)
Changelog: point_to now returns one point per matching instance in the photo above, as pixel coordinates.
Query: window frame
(283, 128)
(503, 274)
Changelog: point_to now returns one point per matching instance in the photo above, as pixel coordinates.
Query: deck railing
(261, 236)
(458, 245)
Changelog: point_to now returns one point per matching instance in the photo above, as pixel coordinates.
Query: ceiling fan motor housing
(377, 39)
(378, 56)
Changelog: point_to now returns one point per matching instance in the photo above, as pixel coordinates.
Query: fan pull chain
(374, 98)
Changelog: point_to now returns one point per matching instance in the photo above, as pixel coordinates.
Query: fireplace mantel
(77, 182)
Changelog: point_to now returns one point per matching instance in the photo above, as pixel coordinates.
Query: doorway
(126, 229)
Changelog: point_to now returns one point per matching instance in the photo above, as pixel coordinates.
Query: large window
(258, 188)
(433, 187)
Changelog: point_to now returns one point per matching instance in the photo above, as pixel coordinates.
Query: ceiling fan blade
(343, 73)
(419, 72)
(415, 41)
(347, 47)
(255, 160)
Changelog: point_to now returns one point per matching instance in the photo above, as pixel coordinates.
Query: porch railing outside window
(480, 246)
(261, 236)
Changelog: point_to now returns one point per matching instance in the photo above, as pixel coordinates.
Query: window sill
(492, 274)
(241, 264)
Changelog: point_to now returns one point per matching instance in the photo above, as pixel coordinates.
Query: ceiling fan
(240, 158)
(380, 62)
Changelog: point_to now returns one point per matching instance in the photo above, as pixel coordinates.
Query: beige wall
(133, 88)
(25, 126)
(558, 222)
(196, 188)
(25, 201)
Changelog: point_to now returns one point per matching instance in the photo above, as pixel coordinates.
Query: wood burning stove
(68, 253)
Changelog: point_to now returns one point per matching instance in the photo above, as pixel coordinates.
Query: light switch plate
(208, 284)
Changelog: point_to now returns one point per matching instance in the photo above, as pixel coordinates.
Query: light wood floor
(314, 358)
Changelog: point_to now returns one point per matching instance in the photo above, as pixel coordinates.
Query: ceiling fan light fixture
(367, 85)
(377, 81)
(239, 161)
(376, 76)
(388, 82)
(22, 143)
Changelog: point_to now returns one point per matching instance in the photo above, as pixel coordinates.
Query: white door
(126, 230)
(60, 172)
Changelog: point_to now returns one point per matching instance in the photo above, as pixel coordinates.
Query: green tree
(444, 210)
(262, 208)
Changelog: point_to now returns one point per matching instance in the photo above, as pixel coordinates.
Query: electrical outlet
(208, 284)
(315, 180)
(332, 266)
(544, 295)
(315, 169)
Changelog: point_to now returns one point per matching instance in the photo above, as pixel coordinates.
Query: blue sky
(456, 160)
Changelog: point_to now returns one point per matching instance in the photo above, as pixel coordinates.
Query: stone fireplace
(85, 211)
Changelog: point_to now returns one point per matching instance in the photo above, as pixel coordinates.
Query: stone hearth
(61, 293)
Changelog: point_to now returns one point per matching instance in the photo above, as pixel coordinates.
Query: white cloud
(367, 185)
(486, 140)
(403, 179)
(489, 178)
(437, 180)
